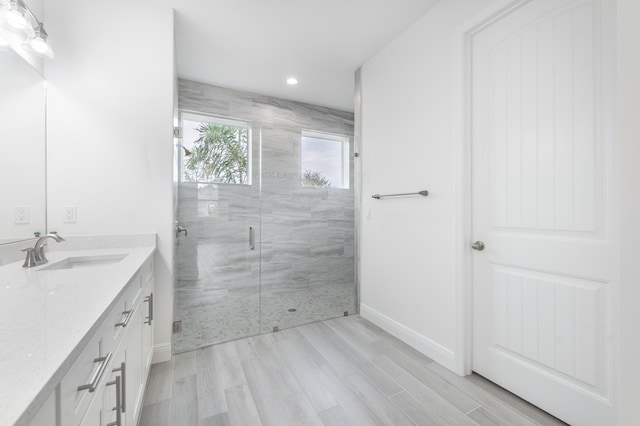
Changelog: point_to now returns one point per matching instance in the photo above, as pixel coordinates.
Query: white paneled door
(542, 286)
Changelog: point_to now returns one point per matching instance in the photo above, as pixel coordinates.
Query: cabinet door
(94, 412)
(133, 386)
(113, 399)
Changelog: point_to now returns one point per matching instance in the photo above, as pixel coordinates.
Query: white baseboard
(161, 353)
(440, 354)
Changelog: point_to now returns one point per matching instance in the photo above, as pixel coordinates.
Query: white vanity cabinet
(105, 385)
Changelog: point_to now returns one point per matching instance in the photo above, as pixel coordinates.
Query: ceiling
(254, 45)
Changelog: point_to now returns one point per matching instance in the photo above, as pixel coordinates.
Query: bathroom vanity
(76, 346)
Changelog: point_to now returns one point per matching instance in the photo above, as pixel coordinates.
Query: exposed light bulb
(16, 16)
(292, 81)
(39, 45)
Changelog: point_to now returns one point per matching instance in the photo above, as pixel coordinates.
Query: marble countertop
(47, 317)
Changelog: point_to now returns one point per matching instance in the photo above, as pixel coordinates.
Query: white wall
(407, 258)
(629, 175)
(110, 113)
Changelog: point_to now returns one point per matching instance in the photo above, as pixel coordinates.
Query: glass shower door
(217, 294)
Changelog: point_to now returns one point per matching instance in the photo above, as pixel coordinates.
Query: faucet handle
(30, 260)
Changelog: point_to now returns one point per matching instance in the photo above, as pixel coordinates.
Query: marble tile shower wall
(305, 236)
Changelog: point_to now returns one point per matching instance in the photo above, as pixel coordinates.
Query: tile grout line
(473, 409)
(400, 408)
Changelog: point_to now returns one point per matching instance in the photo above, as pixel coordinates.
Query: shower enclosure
(270, 240)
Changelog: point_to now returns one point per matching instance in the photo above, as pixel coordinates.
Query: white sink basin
(77, 262)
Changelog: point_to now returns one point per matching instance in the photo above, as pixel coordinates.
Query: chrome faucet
(36, 256)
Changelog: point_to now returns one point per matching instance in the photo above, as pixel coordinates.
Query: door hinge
(177, 326)
(177, 132)
(356, 154)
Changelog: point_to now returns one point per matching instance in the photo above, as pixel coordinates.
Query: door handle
(252, 238)
(478, 245)
(179, 229)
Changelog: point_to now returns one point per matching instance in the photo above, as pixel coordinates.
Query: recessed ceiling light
(292, 81)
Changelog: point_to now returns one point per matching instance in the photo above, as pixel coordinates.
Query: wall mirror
(22, 149)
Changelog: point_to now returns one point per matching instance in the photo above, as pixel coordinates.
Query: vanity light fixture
(15, 16)
(38, 43)
(292, 81)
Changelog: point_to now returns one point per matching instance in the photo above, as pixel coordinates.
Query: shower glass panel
(307, 234)
(274, 246)
(217, 295)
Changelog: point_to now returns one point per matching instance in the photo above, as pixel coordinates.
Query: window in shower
(324, 160)
(215, 150)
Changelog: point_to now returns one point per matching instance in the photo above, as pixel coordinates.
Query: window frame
(345, 154)
(196, 116)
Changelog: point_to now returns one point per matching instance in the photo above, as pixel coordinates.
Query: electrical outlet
(69, 214)
(20, 214)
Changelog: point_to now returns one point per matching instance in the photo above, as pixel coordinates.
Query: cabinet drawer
(84, 377)
(122, 313)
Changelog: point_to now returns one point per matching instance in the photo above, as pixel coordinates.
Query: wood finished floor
(344, 371)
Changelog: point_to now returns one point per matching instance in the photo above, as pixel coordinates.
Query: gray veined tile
(514, 401)
(210, 390)
(484, 417)
(344, 360)
(489, 402)
(229, 365)
(184, 402)
(336, 416)
(417, 411)
(315, 374)
(454, 396)
(221, 419)
(307, 374)
(376, 400)
(159, 383)
(184, 365)
(278, 399)
(431, 404)
(357, 341)
(156, 414)
(242, 408)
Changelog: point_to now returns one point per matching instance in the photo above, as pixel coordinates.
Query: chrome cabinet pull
(478, 245)
(149, 299)
(118, 385)
(123, 370)
(97, 374)
(127, 318)
(252, 238)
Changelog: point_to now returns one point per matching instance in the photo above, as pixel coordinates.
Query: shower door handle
(252, 238)
(179, 229)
